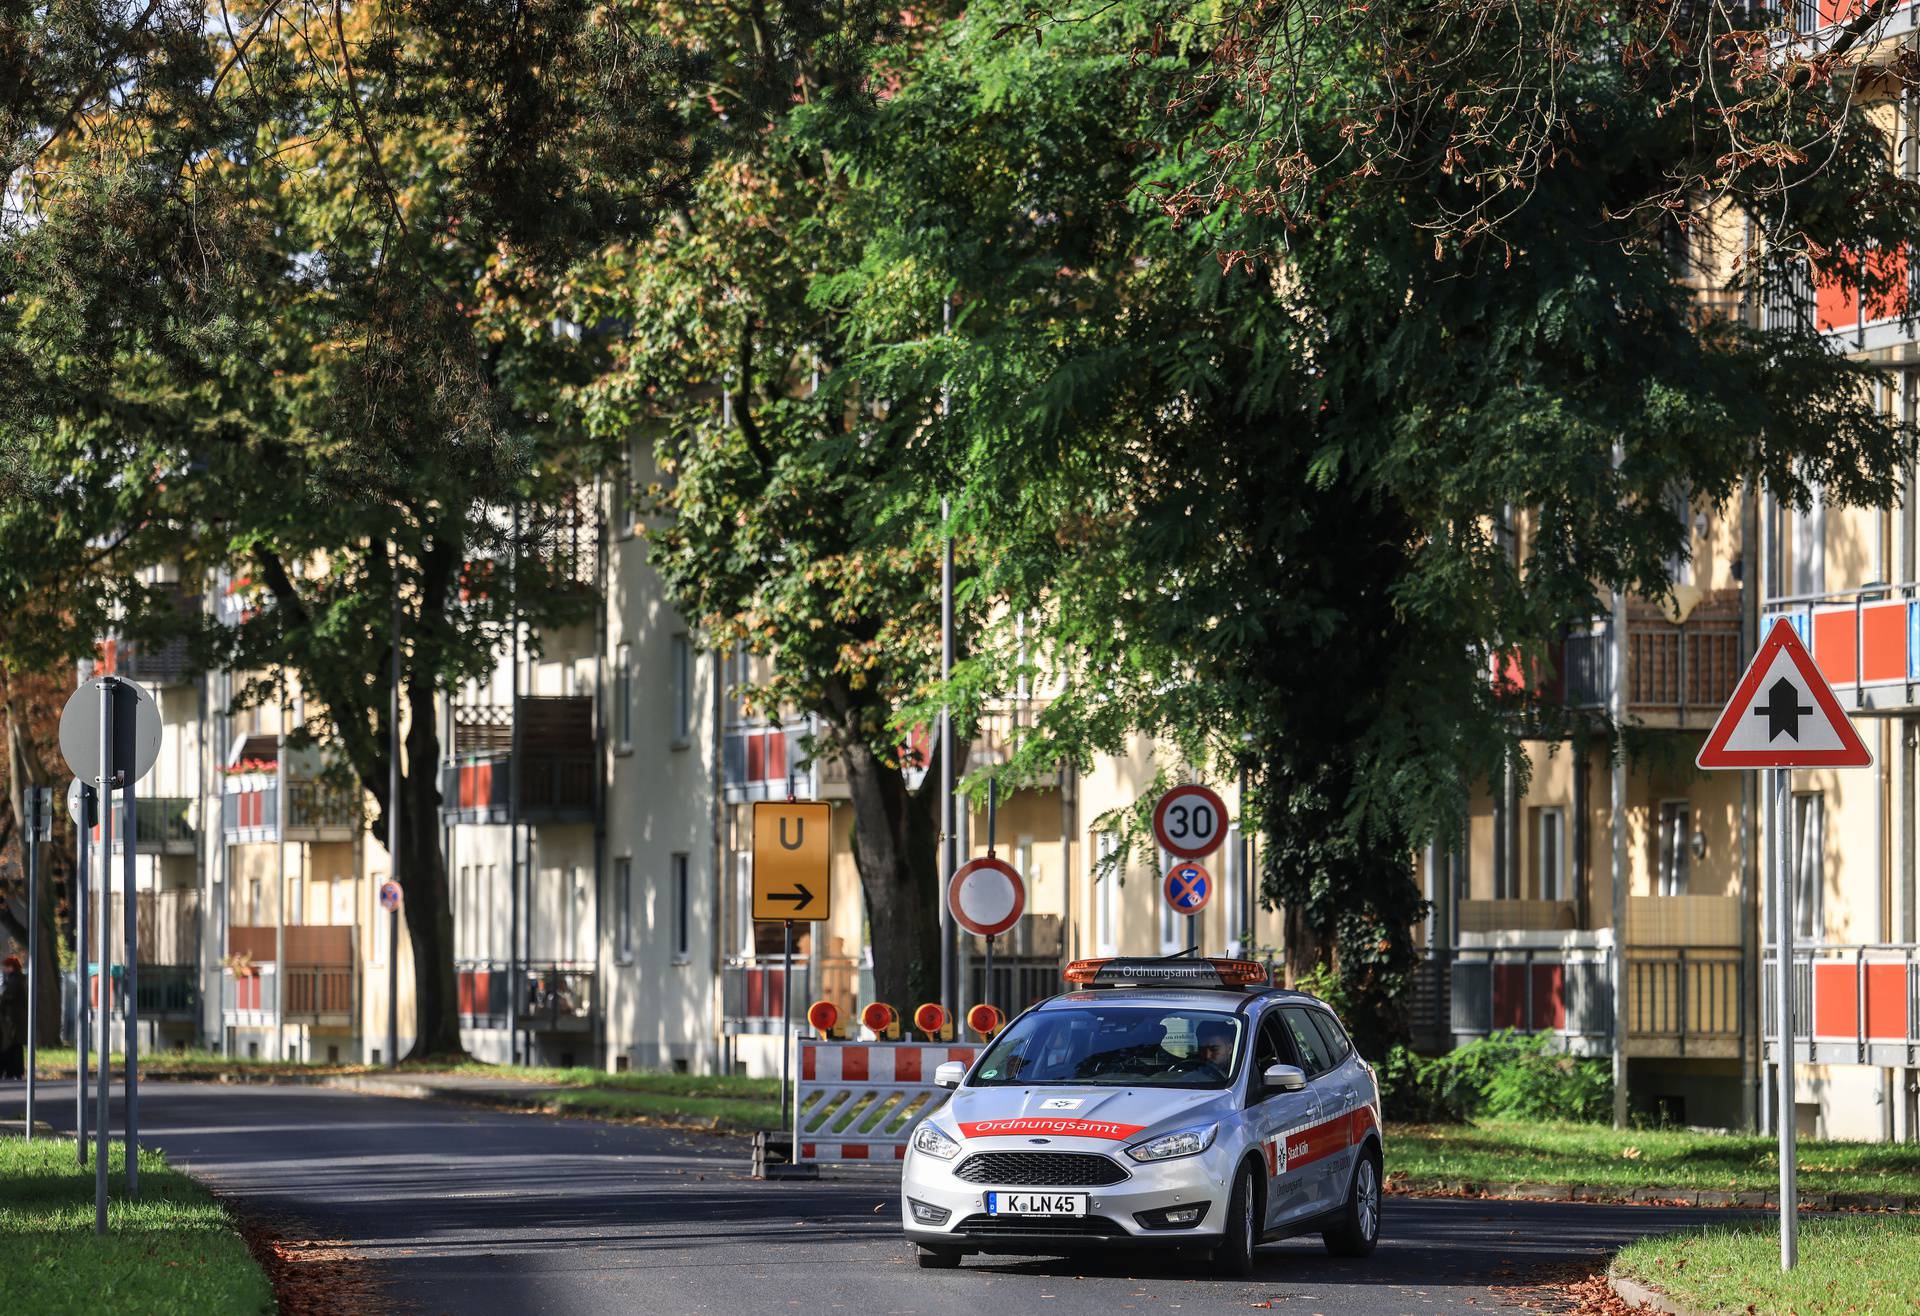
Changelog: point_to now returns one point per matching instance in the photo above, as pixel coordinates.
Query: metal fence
(556, 995)
(1685, 995)
(1856, 1003)
(1568, 993)
(1017, 981)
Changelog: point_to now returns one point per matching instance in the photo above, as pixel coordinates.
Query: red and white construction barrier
(860, 1101)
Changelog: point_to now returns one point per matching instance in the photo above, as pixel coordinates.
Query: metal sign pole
(82, 1015)
(986, 994)
(1783, 907)
(35, 807)
(393, 841)
(130, 926)
(105, 798)
(786, 1032)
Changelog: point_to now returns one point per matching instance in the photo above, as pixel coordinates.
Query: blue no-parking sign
(1187, 888)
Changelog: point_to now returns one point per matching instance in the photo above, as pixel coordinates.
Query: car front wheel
(1234, 1256)
(1359, 1227)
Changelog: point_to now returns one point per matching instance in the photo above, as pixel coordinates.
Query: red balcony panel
(1509, 996)
(1883, 629)
(776, 754)
(1887, 1002)
(464, 983)
(1836, 297)
(1834, 644)
(756, 758)
(1835, 1004)
(1549, 997)
(1891, 266)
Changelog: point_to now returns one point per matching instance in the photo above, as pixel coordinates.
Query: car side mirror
(1283, 1078)
(949, 1073)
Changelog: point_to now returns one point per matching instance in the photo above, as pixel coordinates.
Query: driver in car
(1213, 1050)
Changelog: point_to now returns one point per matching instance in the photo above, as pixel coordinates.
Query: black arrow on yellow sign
(802, 896)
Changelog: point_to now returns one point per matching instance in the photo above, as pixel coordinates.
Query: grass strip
(1599, 1156)
(174, 1250)
(1859, 1264)
(725, 1114)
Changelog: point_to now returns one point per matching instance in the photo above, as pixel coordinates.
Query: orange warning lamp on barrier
(882, 1020)
(822, 1016)
(931, 1020)
(985, 1020)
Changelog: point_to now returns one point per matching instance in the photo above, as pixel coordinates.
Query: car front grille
(1041, 1169)
(1040, 1226)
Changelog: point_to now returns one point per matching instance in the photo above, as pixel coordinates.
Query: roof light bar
(1175, 972)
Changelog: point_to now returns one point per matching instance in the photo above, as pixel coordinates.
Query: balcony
(750, 995)
(1486, 916)
(169, 993)
(318, 984)
(1866, 642)
(557, 772)
(1853, 1004)
(756, 759)
(556, 996)
(1678, 674)
(1685, 1001)
(1568, 993)
(152, 664)
(251, 810)
(163, 828)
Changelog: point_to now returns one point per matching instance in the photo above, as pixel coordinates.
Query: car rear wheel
(1234, 1256)
(1359, 1227)
(939, 1258)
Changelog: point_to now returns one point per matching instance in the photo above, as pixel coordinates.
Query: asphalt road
(470, 1210)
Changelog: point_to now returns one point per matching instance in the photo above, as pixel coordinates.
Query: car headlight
(1181, 1142)
(933, 1142)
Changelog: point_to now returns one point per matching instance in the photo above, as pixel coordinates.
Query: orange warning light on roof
(1173, 971)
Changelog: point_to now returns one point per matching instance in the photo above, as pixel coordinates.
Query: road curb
(1497, 1190)
(1644, 1296)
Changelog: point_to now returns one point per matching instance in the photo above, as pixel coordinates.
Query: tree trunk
(423, 884)
(895, 844)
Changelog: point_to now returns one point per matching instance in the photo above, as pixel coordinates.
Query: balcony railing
(167, 923)
(750, 990)
(481, 986)
(557, 996)
(1853, 1004)
(1565, 992)
(163, 825)
(168, 992)
(1017, 981)
(757, 759)
(316, 810)
(262, 996)
(557, 769)
(1683, 669)
(1685, 1000)
(1517, 916)
(1866, 641)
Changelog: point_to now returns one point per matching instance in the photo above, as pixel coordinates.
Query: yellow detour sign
(790, 867)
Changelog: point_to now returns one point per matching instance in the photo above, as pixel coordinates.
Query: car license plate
(1036, 1203)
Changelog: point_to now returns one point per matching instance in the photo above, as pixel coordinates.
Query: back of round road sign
(136, 730)
(986, 897)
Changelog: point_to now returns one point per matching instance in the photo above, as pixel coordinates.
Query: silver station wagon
(1175, 1102)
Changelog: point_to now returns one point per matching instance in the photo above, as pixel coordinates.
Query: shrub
(1414, 1090)
(1524, 1076)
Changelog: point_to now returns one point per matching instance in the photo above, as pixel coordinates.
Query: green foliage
(1415, 1090)
(1510, 1075)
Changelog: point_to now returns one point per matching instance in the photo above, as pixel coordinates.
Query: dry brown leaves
(314, 1277)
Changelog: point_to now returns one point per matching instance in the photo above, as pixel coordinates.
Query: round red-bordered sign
(1187, 888)
(389, 896)
(1190, 821)
(986, 897)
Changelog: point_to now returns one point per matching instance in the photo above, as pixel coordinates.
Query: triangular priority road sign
(1783, 715)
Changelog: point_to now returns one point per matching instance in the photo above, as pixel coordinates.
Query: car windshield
(1110, 1046)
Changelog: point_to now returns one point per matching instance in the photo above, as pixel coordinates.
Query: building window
(1232, 905)
(682, 690)
(1809, 871)
(1106, 882)
(622, 496)
(1173, 930)
(623, 906)
(1809, 565)
(1676, 829)
(623, 697)
(682, 909)
(1550, 853)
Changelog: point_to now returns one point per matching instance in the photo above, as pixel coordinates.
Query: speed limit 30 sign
(1189, 821)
